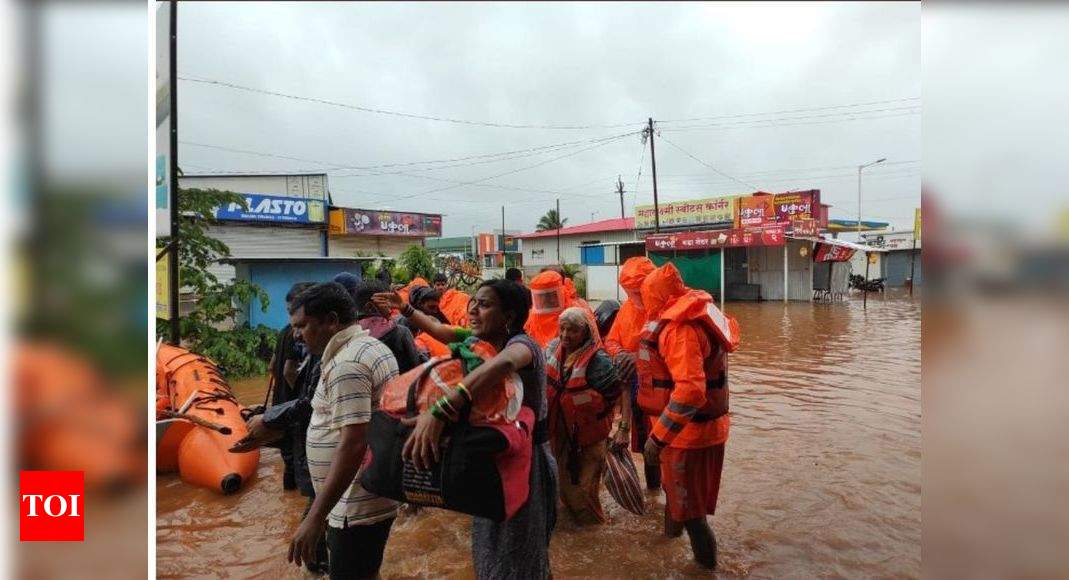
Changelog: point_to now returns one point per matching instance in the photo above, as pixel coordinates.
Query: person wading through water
(551, 294)
(354, 368)
(517, 548)
(582, 391)
(682, 366)
(622, 344)
(289, 352)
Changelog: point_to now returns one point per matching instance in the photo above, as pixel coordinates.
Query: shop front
(362, 232)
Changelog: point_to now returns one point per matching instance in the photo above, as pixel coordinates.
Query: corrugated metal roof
(613, 225)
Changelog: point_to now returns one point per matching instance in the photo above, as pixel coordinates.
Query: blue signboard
(274, 208)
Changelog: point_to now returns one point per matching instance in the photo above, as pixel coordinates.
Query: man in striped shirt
(355, 367)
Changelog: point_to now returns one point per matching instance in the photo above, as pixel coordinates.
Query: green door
(700, 268)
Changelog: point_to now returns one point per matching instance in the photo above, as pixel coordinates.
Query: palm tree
(551, 221)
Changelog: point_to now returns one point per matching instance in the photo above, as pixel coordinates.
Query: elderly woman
(582, 389)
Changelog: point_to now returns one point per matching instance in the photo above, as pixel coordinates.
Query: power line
(539, 164)
(776, 123)
(685, 152)
(398, 113)
(799, 169)
(784, 111)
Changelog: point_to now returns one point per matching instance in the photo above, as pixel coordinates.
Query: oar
(198, 421)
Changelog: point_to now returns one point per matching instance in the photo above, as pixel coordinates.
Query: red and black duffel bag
(484, 469)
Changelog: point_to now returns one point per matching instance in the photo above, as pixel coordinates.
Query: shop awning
(833, 250)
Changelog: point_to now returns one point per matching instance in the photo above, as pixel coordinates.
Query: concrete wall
(857, 265)
(392, 247)
(539, 252)
(277, 279)
(766, 269)
(308, 186)
(601, 283)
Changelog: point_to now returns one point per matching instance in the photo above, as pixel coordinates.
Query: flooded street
(822, 474)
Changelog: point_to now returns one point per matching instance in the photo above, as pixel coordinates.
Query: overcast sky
(785, 97)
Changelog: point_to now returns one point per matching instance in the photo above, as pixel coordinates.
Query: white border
(150, 190)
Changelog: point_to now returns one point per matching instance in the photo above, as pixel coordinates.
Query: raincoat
(626, 330)
(550, 295)
(454, 305)
(686, 338)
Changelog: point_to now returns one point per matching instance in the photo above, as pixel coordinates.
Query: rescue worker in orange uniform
(622, 344)
(550, 297)
(682, 368)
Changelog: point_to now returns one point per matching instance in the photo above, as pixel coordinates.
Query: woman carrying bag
(519, 547)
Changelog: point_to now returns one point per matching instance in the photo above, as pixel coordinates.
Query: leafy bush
(417, 261)
(239, 351)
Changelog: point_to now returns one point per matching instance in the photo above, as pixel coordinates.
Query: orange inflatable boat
(197, 421)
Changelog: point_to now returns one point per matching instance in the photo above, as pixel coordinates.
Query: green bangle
(438, 413)
(464, 392)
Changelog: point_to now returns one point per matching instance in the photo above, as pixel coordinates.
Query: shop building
(286, 216)
(540, 249)
(363, 232)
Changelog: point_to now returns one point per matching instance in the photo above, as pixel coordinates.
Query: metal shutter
(264, 242)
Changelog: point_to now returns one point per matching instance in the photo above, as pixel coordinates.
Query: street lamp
(859, 168)
(592, 214)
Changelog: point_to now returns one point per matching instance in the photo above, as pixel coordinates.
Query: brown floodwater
(822, 474)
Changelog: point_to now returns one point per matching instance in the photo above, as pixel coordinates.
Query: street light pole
(859, 168)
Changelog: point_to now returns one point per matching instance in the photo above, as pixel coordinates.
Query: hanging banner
(273, 208)
(163, 119)
(734, 238)
(832, 253)
(695, 212)
(384, 223)
(487, 244)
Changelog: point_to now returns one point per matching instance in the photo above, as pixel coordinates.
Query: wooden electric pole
(653, 164)
(620, 190)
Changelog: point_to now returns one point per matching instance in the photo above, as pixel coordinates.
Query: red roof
(613, 225)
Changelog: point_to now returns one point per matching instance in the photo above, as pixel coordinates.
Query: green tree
(237, 351)
(551, 221)
(417, 261)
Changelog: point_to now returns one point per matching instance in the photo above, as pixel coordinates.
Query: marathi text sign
(756, 211)
(734, 238)
(713, 210)
(385, 223)
(805, 228)
(163, 119)
(273, 208)
(790, 206)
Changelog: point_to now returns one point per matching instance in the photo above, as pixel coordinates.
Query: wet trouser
(356, 551)
(640, 430)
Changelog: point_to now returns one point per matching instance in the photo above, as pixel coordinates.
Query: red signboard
(735, 238)
(805, 228)
(389, 223)
(756, 211)
(830, 253)
(795, 205)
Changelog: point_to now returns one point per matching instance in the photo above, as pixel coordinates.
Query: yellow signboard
(163, 288)
(917, 224)
(694, 212)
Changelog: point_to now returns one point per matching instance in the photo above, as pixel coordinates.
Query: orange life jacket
(587, 416)
(656, 384)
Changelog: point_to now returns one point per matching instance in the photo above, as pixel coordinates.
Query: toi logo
(51, 506)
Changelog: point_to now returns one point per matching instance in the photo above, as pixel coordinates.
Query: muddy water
(822, 475)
